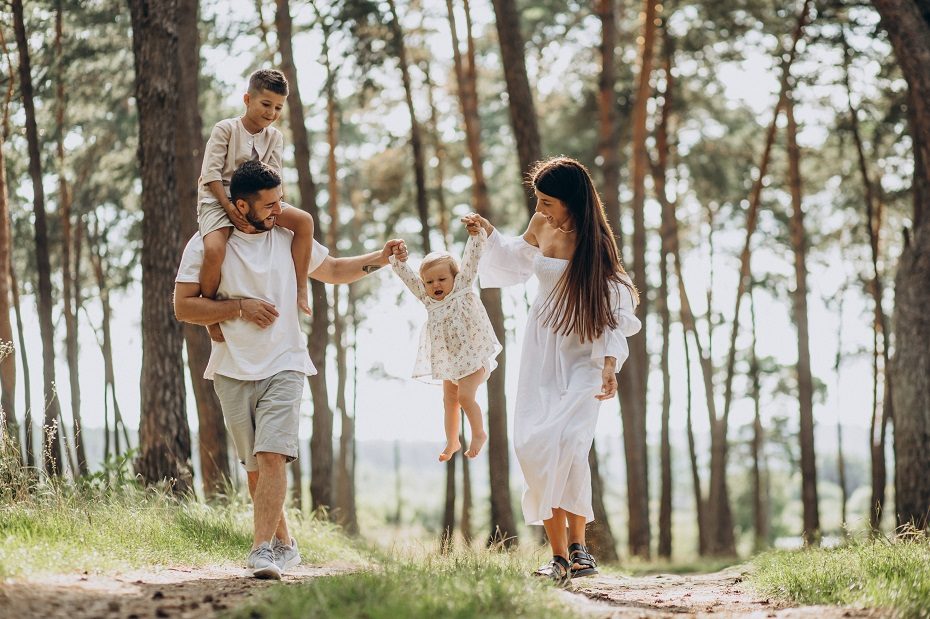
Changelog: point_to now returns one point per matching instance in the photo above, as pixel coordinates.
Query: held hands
(237, 216)
(608, 379)
(258, 312)
(474, 222)
(396, 248)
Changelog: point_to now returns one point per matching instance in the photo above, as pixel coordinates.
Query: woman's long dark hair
(580, 303)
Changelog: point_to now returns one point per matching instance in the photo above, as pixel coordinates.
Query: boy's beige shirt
(230, 145)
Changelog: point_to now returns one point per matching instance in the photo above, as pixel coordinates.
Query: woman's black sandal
(558, 570)
(579, 556)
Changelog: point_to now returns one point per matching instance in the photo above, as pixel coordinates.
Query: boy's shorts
(211, 216)
(262, 415)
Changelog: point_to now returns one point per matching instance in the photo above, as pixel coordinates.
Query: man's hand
(258, 312)
(394, 247)
(237, 217)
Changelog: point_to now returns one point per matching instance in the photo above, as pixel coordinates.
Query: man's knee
(269, 460)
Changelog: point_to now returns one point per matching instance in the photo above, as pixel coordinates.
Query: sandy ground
(722, 594)
(168, 592)
(206, 592)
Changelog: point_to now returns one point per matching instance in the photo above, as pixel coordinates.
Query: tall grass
(462, 585)
(893, 575)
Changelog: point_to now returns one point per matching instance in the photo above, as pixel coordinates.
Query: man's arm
(348, 270)
(190, 307)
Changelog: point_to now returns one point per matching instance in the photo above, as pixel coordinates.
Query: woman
(574, 345)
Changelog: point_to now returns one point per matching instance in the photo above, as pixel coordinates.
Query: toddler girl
(457, 344)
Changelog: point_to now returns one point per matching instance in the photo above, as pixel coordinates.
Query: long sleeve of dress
(506, 261)
(471, 258)
(410, 279)
(612, 342)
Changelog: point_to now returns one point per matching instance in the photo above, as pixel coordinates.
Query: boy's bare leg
(214, 252)
(468, 387)
(301, 224)
(281, 532)
(450, 401)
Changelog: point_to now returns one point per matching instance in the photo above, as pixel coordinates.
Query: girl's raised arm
(410, 279)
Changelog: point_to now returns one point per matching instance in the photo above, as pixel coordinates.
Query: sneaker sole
(268, 573)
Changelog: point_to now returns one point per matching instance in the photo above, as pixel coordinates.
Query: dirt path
(722, 594)
(170, 592)
(206, 592)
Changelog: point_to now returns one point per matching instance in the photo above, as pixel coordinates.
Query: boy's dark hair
(250, 178)
(268, 79)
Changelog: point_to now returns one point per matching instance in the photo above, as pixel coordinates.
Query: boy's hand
(238, 219)
(258, 312)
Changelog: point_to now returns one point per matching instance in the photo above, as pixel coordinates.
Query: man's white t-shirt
(257, 266)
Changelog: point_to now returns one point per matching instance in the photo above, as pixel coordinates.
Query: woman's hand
(474, 222)
(608, 379)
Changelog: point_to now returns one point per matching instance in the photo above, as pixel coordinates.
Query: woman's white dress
(457, 339)
(555, 413)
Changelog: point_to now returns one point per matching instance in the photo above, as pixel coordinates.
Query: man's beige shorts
(262, 415)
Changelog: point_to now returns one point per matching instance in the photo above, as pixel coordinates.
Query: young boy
(232, 142)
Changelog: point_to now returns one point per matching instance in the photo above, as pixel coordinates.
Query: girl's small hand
(608, 380)
(473, 222)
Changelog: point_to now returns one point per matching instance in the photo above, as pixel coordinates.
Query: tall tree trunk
(51, 451)
(64, 204)
(439, 149)
(465, 522)
(799, 304)
(880, 322)
(840, 460)
(519, 95)
(662, 145)
(718, 511)
(321, 441)
(447, 533)
(692, 456)
(760, 513)
(214, 454)
(416, 140)
(634, 373)
(31, 460)
(503, 526)
(600, 536)
(164, 436)
(908, 25)
(607, 116)
(7, 363)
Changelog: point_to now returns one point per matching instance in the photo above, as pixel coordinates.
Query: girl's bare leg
(575, 532)
(557, 532)
(450, 401)
(468, 387)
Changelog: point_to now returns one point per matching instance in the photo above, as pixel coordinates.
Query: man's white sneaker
(262, 562)
(286, 556)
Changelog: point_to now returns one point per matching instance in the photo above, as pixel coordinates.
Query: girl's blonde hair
(439, 257)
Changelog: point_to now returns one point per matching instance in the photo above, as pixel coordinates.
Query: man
(258, 371)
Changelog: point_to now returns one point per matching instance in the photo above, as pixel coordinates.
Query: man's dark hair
(268, 79)
(250, 178)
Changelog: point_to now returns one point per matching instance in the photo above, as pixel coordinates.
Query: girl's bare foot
(449, 451)
(477, 442)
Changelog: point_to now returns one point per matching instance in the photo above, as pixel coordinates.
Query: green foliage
(61, 528)
(464, 585)
(877, 574)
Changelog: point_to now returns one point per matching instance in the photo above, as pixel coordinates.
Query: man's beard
(259, 224)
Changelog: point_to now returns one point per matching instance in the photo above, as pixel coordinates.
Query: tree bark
(416, 139)
(519, 95)
(447, 535)
(321, 441)
(164, 436)
(692, 454)
(799, 302)
(908, 25)
(51, 451)
(840, 460)
(28, 436)
(760, 511)
(634, 373)
(7, 363)
(503, 526)
(607, 147)
(600, 537)
(465, 522)
(64, 211)
(214, 455)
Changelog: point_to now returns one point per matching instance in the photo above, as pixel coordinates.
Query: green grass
(464, 584)
(876, 574)
(66, 529)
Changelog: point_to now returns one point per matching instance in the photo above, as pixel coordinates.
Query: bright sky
(391, 406)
